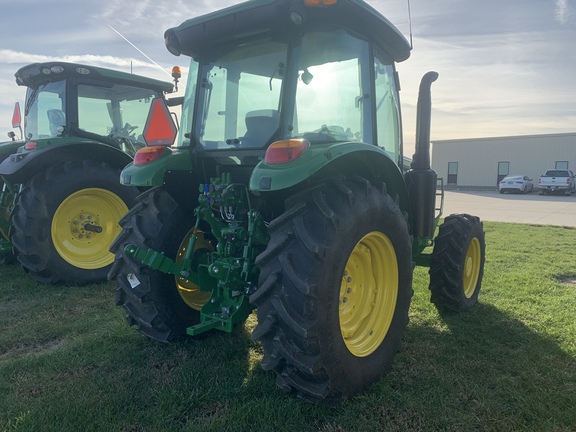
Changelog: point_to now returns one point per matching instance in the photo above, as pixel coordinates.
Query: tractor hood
(254, 17)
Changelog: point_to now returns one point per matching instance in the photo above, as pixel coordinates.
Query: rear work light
(285, 151)
(148, 154)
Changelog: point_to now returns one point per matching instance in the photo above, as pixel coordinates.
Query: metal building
(483, 162)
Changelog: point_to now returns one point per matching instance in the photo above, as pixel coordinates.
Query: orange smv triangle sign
(16, 117)
(160, 128)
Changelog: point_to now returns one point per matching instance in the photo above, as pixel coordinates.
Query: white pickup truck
(557, 180)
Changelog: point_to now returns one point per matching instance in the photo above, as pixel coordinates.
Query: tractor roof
(36, 73)
(255, 17)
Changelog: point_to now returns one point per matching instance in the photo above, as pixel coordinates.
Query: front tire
(335, 289)
(65, 219)
(161, 305)
(457, 263)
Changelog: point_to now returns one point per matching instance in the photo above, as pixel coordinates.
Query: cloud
(563, 12)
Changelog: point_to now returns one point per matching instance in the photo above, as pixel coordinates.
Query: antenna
(410, 24)
(139, 50)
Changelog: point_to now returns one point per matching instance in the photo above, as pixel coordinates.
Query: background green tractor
(61, 199)
(6, 200)
(286, 193)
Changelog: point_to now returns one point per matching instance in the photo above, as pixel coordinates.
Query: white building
(483, 162)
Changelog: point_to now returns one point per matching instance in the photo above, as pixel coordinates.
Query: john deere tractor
(61, 199)
(286, 193)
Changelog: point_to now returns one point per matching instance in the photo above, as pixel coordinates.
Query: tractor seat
(56, 118)
(260, 127)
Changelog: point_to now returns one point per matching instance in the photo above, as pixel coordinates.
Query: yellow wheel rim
(368, 294)
(190, 292)
(78, 245)
(472, 267)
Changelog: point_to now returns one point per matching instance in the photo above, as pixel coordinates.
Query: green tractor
(286, 193)
(61, 200)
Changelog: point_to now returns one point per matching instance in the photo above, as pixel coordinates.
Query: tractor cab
(312, 81)
(66, 100)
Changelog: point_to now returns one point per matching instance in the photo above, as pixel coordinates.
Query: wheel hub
(85, 226)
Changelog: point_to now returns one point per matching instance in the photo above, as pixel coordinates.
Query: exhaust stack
(420, 178)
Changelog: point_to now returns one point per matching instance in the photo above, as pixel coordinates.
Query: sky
(507, 67)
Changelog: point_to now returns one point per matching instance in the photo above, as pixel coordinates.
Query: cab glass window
(44, 114)
(333, 90)
(387, 106)
(240, 96)
(118, 112)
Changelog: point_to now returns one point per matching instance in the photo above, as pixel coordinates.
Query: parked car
(516, 183)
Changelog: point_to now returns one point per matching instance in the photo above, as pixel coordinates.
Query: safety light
(148, 154)
(320, 3)
(176, 72)
(30, 145)
(285, 151)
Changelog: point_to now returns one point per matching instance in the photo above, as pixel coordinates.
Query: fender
(21, 166)
(9, 147)
(327, 160)
(152, 173)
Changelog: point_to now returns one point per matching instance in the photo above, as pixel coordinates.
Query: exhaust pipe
(420, 178)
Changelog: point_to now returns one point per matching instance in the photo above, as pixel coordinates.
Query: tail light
(148, 154)
(285, 151)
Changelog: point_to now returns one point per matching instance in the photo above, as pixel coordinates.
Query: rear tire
(152, 299)
(457, 263)
(51, 214)
(6, 256)
(334, 291)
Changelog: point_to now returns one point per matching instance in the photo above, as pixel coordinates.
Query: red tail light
(285, 151)
(30, 145)
(148, 154)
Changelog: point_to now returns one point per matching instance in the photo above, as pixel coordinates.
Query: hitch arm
(157, 261)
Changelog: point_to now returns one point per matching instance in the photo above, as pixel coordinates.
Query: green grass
(68, 361)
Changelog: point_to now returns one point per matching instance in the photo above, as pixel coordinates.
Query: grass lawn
(68, 361)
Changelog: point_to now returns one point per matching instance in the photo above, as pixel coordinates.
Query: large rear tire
(160, 305)
(6, 254)
(335, 288)
(64, 220)
(458, 263)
